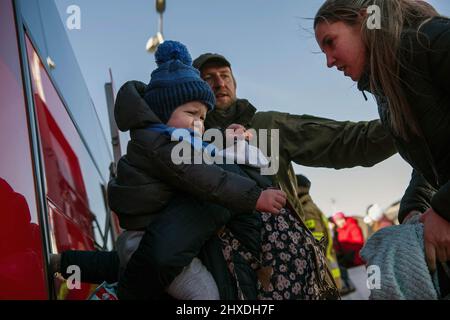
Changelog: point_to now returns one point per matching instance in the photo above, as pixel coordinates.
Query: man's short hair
(303, 185)
(207, 58)
(303, 181)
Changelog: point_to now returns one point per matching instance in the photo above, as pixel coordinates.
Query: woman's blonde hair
(383, 46)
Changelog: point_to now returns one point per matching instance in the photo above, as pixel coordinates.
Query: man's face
(220, 79)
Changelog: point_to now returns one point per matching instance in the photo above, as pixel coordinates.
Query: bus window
(22, 274)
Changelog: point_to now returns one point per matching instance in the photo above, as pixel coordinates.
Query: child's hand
(271, 200)
(238, 131)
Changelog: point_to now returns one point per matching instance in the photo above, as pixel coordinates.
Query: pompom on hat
(175, 82)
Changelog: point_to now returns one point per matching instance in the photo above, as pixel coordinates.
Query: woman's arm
(439, 53)
(417, 197)
(441, 201)
(319, 142)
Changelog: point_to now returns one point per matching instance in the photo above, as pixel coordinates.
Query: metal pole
(160, 8)
(115, 139)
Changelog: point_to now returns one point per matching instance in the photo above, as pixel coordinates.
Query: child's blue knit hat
(175, 81)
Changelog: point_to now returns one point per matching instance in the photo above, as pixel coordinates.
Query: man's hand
(238, 131)
(437, 238)
(271, 200)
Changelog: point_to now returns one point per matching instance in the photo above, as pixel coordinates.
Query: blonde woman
(399, 50)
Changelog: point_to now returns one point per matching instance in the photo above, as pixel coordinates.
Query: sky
(275, 59)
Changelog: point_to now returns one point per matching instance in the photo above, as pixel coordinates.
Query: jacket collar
(364, 82)
(241, 112)
(364, 85)
(183, 134)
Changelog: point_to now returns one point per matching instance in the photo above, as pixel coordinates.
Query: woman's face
(343, 47)
(190, 115)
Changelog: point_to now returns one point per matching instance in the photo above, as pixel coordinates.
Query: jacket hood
(131, 111)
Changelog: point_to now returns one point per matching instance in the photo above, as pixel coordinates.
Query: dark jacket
(425, 72)
(138, 192)
(139, 196)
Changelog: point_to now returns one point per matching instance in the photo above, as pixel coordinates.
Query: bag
(291, 264)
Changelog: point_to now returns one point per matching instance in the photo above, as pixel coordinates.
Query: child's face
(190, 115)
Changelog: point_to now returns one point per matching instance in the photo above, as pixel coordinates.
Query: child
(177, 97)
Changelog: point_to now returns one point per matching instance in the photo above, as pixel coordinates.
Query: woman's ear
(362, 16)
(363, 13)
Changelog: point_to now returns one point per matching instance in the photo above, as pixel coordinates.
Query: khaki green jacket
(311, 141)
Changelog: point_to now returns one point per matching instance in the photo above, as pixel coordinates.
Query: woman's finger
(441, 254)
(430, 253)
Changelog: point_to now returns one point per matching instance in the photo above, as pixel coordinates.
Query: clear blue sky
(276, 61)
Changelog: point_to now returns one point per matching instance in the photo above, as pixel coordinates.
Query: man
(304, 139)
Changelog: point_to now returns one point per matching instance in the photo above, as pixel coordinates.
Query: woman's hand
(271, 200)
(437, 238)
(238, 131)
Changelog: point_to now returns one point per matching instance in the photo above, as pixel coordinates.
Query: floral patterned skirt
(291, 264)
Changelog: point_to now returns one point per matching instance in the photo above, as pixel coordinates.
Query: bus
(55, 157)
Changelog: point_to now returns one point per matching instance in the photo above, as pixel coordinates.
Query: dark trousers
(169, 244)
(95, 266)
